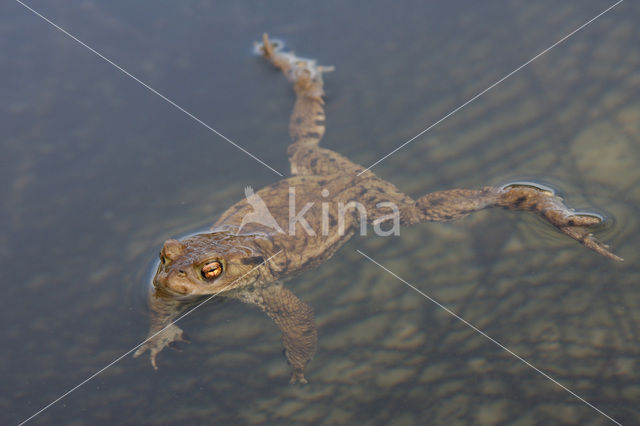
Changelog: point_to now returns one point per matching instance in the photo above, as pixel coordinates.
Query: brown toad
(264, 240)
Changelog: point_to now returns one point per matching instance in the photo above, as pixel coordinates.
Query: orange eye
(211, 270)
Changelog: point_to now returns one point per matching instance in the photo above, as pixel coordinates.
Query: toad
(299, 222)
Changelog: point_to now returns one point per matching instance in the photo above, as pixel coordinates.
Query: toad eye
(163, 259)
(211, 270)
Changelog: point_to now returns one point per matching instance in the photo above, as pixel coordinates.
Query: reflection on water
(98, 172)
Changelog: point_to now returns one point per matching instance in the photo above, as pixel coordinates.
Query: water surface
(98, 172)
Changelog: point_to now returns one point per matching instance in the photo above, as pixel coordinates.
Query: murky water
(98, 171)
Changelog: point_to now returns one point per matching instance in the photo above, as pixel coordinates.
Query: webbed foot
(157, 342)
(544, 201)
(581, 233)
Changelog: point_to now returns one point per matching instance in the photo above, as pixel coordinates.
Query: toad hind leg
(307, 126)
(456, 203)
(307, 122)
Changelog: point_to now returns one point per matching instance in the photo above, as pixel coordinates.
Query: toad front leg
(295, 319)
(162, 332)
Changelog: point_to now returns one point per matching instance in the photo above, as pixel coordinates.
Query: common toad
(266, 239)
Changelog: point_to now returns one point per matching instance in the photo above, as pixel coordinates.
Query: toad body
(299, 222)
